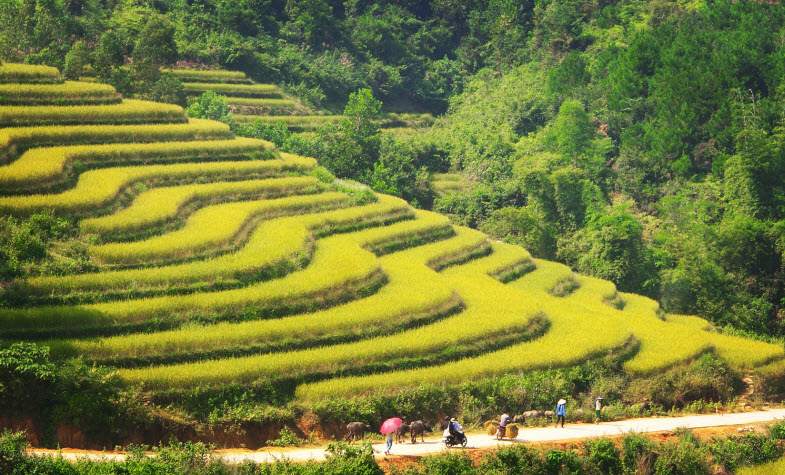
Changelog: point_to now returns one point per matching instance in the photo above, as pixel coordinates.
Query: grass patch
(209, 75)
(49, 169)
(274, 248)
(28, 73)
(67, 93)
(98, 189)
(127, 112)
(238, 90)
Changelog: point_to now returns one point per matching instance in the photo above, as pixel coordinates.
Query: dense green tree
(154, 48)
(75, 61)
(611, 247)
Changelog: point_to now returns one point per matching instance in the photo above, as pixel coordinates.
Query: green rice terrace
(220, 260)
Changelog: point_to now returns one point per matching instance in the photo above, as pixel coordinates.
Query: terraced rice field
(221, 262)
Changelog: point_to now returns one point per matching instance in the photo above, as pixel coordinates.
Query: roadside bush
(682, 458)
(12, 451)
(563, 462)
(448, 464)
(777, 431)
(343, 458)
(637, 454)
(749, 449)
(604, 455)
(513, 459)
(70, 393)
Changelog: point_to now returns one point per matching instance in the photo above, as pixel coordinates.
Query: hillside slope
(223, 261)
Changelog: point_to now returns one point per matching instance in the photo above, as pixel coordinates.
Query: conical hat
(561, 401)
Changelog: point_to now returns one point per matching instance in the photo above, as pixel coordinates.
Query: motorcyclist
(453, 434)
(454, 427)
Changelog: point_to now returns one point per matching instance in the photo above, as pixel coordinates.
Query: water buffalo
(401, 432)
(355, 430)
(532, 414)
(419, 428)
(519, 419)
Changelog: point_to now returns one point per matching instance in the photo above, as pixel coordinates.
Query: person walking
(561, 412)
(389, 443)
(597, 410)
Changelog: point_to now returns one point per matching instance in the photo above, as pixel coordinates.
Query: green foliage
(75, 61)
(286, 438)
(572, 130)
(603, 454)
(750, 449)
(24, 243)
(396, 172)
(154, 47)
(166, 89)
(682, 457)
(565, 462)
(527, 226)
(637, 453)
(12, 452)
(513, 459)
(108, 55)
(210, 105)
(276, 132)
(69, 392)
(611, 247)
(350, 148)
(708, 379)
(448, 464)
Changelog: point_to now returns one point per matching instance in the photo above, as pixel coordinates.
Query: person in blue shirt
(561, 412)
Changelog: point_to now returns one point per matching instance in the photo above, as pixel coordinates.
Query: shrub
(682, 458)
(777, 431)
(564, 462)
(637, 453)
(167, 89)
(75, 60)
(749, 449)
(343, 458)
(565, 286)
(12, 452)
(210, 106)
(286, 438)
(276, 132)
(603, 454)
(514, 459)
(448, 464)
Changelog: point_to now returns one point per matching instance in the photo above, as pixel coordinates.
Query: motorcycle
(454, 439)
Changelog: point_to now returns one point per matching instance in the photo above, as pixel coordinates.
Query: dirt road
(433, 445)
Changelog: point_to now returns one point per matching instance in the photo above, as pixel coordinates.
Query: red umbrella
(391, 425)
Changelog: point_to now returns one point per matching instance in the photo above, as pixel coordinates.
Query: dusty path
(433, 445)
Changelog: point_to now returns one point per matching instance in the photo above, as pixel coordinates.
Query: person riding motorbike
(453, 434)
